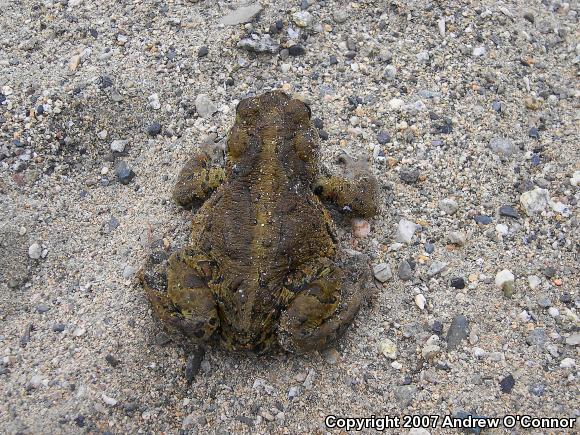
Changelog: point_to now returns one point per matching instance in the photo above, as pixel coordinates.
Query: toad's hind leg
(179, 295)
(198, 178)
(325, 306)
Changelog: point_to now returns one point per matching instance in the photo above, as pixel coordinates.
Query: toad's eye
(238, 141)
(298, 112)
(306, 145)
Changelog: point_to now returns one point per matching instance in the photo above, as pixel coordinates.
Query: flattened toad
(261, 268)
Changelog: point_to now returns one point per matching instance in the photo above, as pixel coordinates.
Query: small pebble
(203, 51)
(458, 331)
(154, 129)
(507, 384)
(449, 206)
(330, 355)
(296, 50)
(388, 349)
(567, 363)
(420, 301)
(58, 327)
(383, 137)
(457, 238)
(124, 173)
(35, 251)
(118, 145)
(404, 271)
(360, 228)
(509, 211)
(382, 272)
(458, 283)
(405, 231)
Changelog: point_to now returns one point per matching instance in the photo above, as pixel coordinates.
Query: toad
(262, 266)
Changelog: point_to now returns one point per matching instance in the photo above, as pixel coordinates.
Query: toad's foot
(179, 295)
(325, 306)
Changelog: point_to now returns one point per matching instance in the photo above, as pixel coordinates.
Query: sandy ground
(462, 106)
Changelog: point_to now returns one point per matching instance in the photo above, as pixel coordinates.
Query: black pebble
(458, 283)
(507, 384)
(565, 298)
(383, 137)
(113, 362)
(2, 98)
(154, 129)
(350, 54)
(409, 176)
(509, 211)
(58, 327)
(279, 24)
(296, 50)
(80, 421)
(105, 82)
(332, 60)
(230, 81)
(323, 134)
(437, 327)
(550, 272)
(203, 51)
(124, 173)
(482, 219)
(318, 123)
(40, 109)
(429, 248)
(534, 133)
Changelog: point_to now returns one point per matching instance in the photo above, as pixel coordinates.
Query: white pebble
(534, 281)
(154, 103)
(34, 251)
(441, 26)
(420, 301)
(502, 229)
(79, 332)
(118, 145)
(567, 363)
(396, 103)
(396, 365)
(478, 352)
(534, 201)
(457, 238)
(553, 311)
(504, 277)
(525, 316)
(405, 231)
(388, 348)
(109, 400)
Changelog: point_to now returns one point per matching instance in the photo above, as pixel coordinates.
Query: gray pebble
(124, 173)
(382, 272)
(458, 331)
(404, 270)
(242, 15)
(35, 251)
(404, 395)
(502, 146)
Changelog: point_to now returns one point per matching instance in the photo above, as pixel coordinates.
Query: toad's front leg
(356, 190)
(198, 178)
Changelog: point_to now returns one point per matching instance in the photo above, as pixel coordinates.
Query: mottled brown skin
(261, 267)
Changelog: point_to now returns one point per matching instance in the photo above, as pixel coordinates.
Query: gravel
(476, 105)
